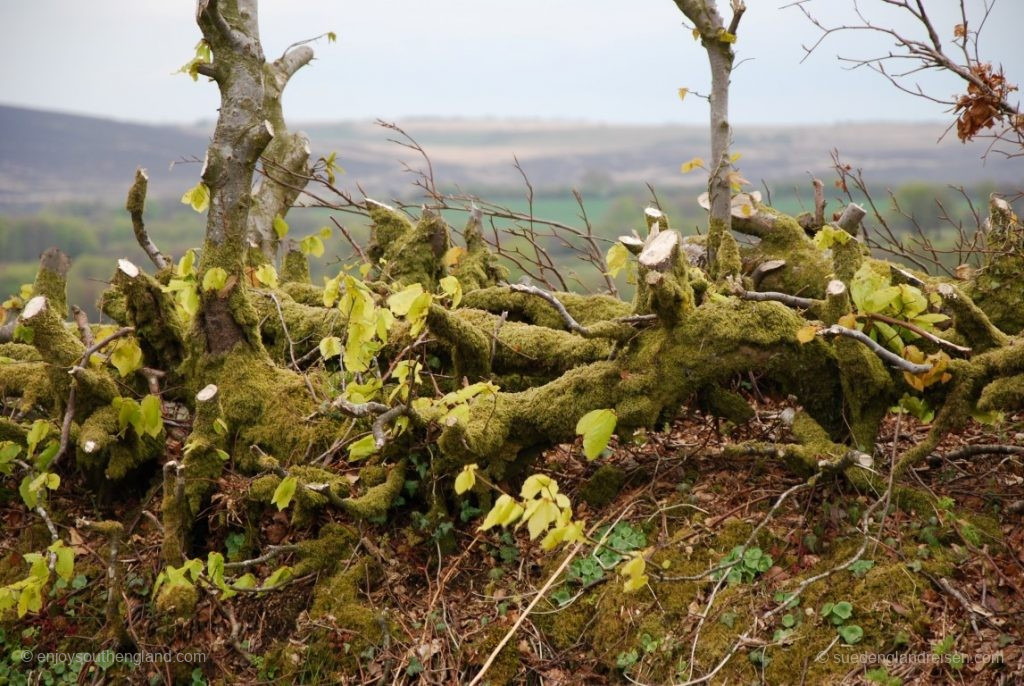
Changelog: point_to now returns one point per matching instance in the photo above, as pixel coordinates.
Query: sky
(616, 61)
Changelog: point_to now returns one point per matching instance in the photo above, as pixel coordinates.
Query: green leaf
(330, 347)
(312, 245)
(280, 226)
(851, 633)
(865, 282)
(284, 492)
(596, 427)
(843, 610)
(214, 279)
(152, 421)
(188, 300)
(280, 575)
(127, 357)
(40, 429)
(198, 197)
(362, 448)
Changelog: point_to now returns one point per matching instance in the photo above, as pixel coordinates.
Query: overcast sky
(599, 60)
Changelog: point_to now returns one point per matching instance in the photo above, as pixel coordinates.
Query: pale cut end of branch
(764, 269)
(655, 219)
(835, 288)
(849, 220)
(33, 307)
(89, 447)
(662, 252)
(632, 244)
(207, 394)
(129, 269)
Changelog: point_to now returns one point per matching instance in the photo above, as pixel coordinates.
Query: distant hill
(48, 157)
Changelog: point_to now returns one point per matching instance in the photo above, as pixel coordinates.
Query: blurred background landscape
(63, 179)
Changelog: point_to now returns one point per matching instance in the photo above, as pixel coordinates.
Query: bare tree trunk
(717, 40)
(243, 131)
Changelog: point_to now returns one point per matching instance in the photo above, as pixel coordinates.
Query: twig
(887, 355)
(570, 322)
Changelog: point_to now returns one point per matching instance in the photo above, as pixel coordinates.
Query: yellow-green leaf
(361, 449)
(596, 427)
(682, 93)
(617, 258)
(127, 357)
(284, 492)
(152, 415)
(312, 245)
(505, 511)
(214, 279)
(402, 301)
(267, 275)
(198, 197)
(280, 226)
(330, 347)
(466, 479)
(451, 287)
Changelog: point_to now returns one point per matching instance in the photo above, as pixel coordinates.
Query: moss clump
(323, 553)
(522, 307)
(727, 404)
(177, 601)
(414, 255)
(99, 448)
(506, 665)
(376, 501)
(30, 381)
(295, 268)
(603, 486)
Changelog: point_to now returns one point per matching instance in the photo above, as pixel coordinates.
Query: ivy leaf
(617, 258)
(127, 357)
(198, 197)
(466, 479)
(312, 245)
(362, 448)
(451, 287)
(330, 347)
(596, 427)
(284, 492)
(280, 226)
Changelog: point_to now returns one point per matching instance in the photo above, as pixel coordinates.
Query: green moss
(727, 404)
(1005, 394)
(506, 666)
(409, 254)
(376, 501)
(847, 258)
(295, 268)
(479, 267)
(523, 307)
(304, 293)
(159, 330)
(729, 263)
(603, 486)
(100, 449)
(30, 381)
(306, 325)
(177, 601)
